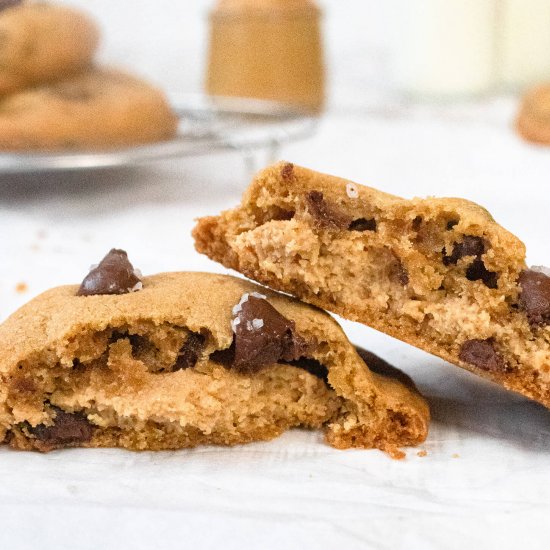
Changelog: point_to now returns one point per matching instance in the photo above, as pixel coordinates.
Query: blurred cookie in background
(40, 42)
(97, 109)
(533, 121)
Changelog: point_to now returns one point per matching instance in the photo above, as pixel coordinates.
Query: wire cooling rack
(207, 125)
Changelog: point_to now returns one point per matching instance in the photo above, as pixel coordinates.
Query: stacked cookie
(440, 274)
(53, 97)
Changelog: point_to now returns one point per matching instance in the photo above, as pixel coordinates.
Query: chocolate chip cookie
(98, 109)
(440, 274)
(40, 42)
(181, 359)
(533, 121)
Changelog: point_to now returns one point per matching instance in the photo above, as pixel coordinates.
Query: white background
(485, 480)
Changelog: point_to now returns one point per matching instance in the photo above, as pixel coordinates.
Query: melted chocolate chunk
(224, 357)
(310, 365)
(190, 352)
(478, 272)
(417, 223)
(5, 4)
(483, 355)
(287, 171)
(283, 215)
(379, 366)
(140, 344)
(535, 296)
(67, 429)
(398, 272)
(114, 275)
(326, 216)
(262, 337)
(470, 246)
(451, 224)
(363, 224)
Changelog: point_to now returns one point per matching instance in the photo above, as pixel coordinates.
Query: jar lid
(265, 7)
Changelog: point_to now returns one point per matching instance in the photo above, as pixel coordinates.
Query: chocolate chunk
(67, 429)
(483, 355)
(326, 216)
(190, 352)
(363, 224)
(283, 215)
(70, 92)
(5, 4)
(263, 336)
(398, 273)
(310, 365)
(478, 272)
(140, 344)
(451, 224)
(23, 385)
(470, 246)
(379, 366)
(287, 171)
(114, 275)
(535, 296)
(224, 357)
(417, 223)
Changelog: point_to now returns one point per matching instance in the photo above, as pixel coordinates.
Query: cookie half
(440, 274)
(97, 109)
(182, 359)
(40, 42)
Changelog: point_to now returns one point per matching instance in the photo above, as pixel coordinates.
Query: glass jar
(267, 49)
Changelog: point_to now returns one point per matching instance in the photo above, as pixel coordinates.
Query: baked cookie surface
(98, 109)
(440, 274)
(533, 121)
(40, 42)
(181, 359)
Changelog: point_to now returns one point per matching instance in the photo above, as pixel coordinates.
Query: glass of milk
(443, 49)
(524, 42)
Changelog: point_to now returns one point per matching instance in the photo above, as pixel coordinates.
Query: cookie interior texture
(149, 370)
(440, 274)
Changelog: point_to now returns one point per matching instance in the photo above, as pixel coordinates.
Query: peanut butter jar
(267, 49)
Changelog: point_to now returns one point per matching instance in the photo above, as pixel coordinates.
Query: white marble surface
(485, 479)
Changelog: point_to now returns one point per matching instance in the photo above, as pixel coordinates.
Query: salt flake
(352, 191)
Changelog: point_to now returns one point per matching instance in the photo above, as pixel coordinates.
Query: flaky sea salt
(244, 298)
(137, 286)
(351, 190)
(234, 323)
(541, 269)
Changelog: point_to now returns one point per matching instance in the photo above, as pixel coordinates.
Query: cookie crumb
(394, 452)
(422, 453)
(21, 287)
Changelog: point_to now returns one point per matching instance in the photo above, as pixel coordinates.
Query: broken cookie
(440, 274)
(192, 358)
